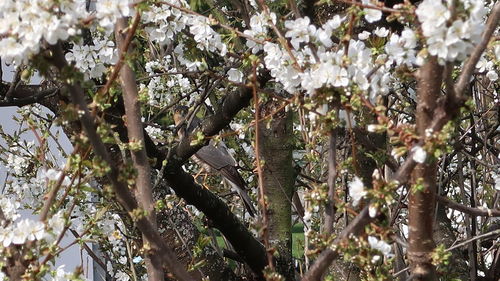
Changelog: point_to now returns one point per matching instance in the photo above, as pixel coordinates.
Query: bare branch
(468, 210)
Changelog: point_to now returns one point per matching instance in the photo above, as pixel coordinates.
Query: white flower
(496, 50)
(339, 76)
(371, 15)
(419, 154)
(299, 31)
(27, 230)
(56, 223)
(122, 276)
(6, 236)
(497, 181)
(380, 245)
(492, 75)
(356, 190)
(307, 216)
(372, 211)
(235, 75)
(60, 274)
(9, 208)
(55, 175)
(122, 260)
(363, 35)
(453, 41)
(381, 32)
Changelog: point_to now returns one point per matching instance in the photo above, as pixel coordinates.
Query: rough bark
(278, 179)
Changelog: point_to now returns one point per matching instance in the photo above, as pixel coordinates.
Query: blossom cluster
(259, 27)
(207, 38)
(163, 22)
(26, 24)
(162, 88)
(31, 230)
(451, 36)
(92, 60)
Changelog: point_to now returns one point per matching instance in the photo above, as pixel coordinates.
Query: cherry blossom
(356, 190)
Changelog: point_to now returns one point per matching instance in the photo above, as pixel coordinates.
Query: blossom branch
(122, 52)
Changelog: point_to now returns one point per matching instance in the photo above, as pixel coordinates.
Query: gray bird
(215, 158)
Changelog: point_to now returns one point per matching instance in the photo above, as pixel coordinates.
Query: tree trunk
(278, 180)
(422, 202)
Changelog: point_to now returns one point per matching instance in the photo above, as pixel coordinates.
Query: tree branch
(121, 190)
(468, 210)
(34, 97)
(135, 130)
(356, 227)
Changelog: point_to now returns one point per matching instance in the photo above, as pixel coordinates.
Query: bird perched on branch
(214, 158)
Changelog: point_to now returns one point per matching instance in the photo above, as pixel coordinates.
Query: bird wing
(216, 156)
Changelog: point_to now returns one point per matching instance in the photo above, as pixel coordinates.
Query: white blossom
(55, 175)
(371, 15)
(235, 75)
(60, 274)
(492, 75)
(299, 31)
(122, 276)
(497, 181)
(356, 190)
(419, 154)
(364, 35)
(381, 31)
(455, 41)
(380, 245)
(372, 211)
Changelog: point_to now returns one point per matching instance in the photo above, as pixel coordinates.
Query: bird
(214, 158)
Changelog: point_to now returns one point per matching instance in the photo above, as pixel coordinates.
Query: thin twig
(262, 201)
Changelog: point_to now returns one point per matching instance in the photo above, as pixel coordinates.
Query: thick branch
(219, 214)
(143, 189)
(25, 95)
(421, 203)
(211, 125)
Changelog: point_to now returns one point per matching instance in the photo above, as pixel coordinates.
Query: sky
(72, 257)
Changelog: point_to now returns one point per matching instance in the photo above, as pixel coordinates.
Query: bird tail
(246, 199)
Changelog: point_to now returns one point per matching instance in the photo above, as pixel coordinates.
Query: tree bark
(143, 191)
(422, 202)
(278, 180)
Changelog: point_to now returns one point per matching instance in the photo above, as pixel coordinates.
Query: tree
(373, 127)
